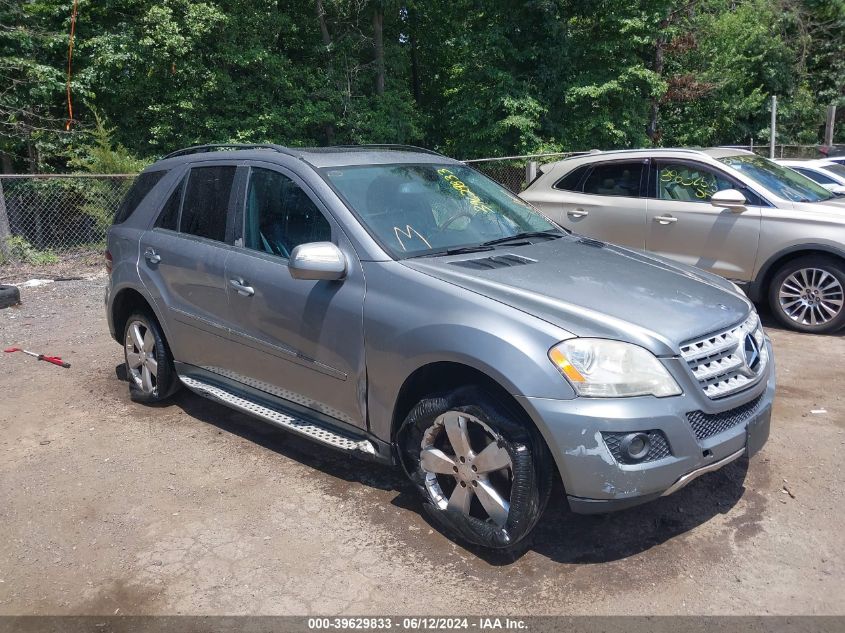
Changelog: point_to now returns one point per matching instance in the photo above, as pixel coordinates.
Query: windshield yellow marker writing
(465, 191)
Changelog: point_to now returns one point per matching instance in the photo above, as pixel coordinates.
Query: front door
(306, 337)
(684, 226)
(183, 264)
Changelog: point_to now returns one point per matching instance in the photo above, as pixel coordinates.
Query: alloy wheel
(467, 468)
(811, 296)
(141, 360)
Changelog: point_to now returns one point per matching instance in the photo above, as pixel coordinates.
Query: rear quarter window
(572, 180)
(137, 192)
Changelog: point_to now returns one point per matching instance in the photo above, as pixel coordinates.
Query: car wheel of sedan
(483, 472)
(149, 365)
(808, 294)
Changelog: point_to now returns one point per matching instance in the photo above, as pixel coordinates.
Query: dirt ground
(107, 506)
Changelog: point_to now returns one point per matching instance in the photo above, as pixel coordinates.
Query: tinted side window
(280, 216)
(815, 175)
(140, 188)
(572, 180)
(615, 179)
(168, 218)
(207, 201)
(689, 183)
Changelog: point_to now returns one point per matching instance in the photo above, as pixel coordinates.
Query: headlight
(611, 369)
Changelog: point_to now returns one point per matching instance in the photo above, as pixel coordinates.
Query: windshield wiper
(454, 251)
(523, 236)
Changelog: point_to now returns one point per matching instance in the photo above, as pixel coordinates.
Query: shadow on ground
(561, 535)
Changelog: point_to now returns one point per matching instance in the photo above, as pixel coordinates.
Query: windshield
(427, 209)
(782, 181)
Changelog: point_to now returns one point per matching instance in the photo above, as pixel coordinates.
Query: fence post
(828, 125)
(530, 171)
(773, 131)
(5, 230)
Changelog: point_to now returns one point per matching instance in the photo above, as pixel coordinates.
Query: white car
(776, 233)
(829, 174)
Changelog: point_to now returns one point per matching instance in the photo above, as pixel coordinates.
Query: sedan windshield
(782, 181)
(429, 209)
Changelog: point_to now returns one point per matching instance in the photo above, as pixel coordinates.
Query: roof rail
(393, 146)
(196, 149)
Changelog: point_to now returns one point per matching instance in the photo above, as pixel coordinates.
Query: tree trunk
(328, 128)
(653, 128)
(6, 166)
(324, 29)
(5, 231)
(378, 38)
(415, 68)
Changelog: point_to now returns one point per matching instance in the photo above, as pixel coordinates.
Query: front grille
(706, 425)
(658, 446)
(719, 362)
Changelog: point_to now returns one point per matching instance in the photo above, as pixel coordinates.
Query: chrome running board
(287, 421)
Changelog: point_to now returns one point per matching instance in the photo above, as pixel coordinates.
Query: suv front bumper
(596, 481)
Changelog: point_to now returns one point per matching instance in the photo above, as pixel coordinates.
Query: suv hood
(591, 288)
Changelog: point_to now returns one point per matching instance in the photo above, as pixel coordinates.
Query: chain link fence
(515, 172)
(46, 217)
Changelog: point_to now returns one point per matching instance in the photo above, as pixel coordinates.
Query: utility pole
(773, 131)
(828, 125)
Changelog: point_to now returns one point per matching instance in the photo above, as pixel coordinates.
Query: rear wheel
(808, 294)
(484, 473)
(149, 365)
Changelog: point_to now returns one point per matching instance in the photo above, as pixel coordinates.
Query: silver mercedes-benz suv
(396, 305)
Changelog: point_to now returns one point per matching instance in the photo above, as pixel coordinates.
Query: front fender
(413, 322)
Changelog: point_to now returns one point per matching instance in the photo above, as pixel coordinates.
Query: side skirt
(285, 415)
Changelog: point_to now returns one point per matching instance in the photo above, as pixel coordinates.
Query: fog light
(635, 446)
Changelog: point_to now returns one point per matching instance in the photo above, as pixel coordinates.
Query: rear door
(604, 202)
(684, 226)
(183, 263)
(302, 340)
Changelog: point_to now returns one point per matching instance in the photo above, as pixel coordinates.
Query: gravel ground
(107, 506)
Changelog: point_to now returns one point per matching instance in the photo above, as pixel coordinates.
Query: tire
(806, 294)
(149, 364)
(452, 447)
(9, 296)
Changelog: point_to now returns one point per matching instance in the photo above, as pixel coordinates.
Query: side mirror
(730, 198)
(317, 261)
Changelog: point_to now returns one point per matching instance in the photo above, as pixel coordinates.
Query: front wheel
(806, 294)
(483, 472)
(149, 365)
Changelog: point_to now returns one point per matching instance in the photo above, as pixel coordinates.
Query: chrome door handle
(665, 219)
(577, 213)
(151, 256)
(241, 287)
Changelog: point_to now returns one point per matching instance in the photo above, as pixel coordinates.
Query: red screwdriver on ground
(56, 360)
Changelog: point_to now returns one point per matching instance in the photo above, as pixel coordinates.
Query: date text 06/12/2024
(417, 623)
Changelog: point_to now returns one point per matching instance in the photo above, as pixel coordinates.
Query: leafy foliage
(467, 77)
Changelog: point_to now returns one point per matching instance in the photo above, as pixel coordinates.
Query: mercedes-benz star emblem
(752, 353)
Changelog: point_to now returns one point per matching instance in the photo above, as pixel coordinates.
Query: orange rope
(69, 60)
